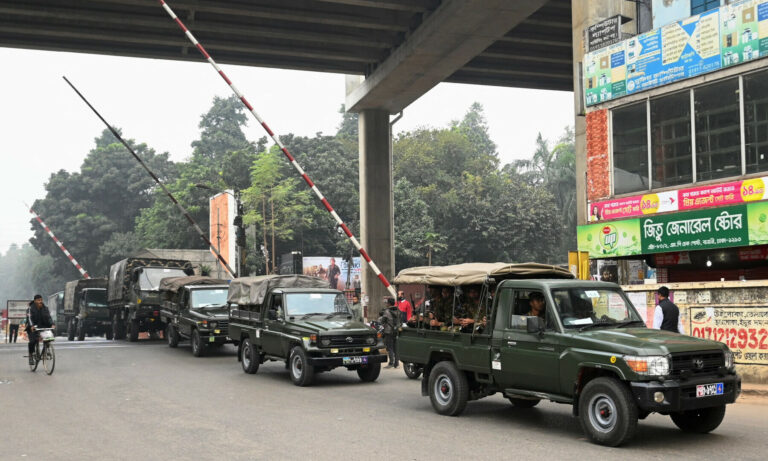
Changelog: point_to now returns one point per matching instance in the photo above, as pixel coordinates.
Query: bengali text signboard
(743, 329)
(695, 230)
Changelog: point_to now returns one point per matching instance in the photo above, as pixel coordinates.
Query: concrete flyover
(398, 49)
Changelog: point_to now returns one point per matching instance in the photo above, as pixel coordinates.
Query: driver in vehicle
(38, 316)
(538, 305)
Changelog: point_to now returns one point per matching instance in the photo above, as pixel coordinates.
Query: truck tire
(412, 371)
(607, 412)
(134, 333)
(108, 333)
(70, 330)
(198, 348)
(369, 373)
(302, 373)
(523, 403)
(448, 389)
(250, 357)
(80, 331)
(116, 329)
(172, 335)
(699, 421)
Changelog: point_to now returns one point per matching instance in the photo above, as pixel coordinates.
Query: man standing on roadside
(667, 315)
(390, 321)
(406, 310)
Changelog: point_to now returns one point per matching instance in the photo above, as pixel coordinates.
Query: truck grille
(347, 341)
(686, 364)
(223, 325)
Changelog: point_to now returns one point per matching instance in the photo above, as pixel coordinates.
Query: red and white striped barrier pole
(59, 244)
(287, 154)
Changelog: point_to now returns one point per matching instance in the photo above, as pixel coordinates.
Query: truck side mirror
(534, 324)
(272, 314)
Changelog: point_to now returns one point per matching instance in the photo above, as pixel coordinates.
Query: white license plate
(705, 390)
(354, 360)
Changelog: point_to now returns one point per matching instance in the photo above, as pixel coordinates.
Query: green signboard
(695, 230)
(733, 226)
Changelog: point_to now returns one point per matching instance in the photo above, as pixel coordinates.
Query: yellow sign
(649, 204)
(752, 189)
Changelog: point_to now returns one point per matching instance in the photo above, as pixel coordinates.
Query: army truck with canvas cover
(195, 308)
(540, 335)
(55, 304)
(298, 320)
(134, 294)
(85, 309)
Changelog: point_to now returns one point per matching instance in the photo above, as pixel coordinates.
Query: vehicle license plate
(211, 339)
(705, 390)
(354, 360)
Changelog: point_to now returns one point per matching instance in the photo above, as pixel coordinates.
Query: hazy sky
(44, 127)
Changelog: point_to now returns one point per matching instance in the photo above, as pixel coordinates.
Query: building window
(700, 6)
(718, 130)
(756, 121)
(630, 149)
(671, 140)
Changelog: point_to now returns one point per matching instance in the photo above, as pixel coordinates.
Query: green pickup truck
(298, 320)
(586, 346)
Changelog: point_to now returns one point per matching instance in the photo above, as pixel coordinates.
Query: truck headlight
(652, 365)
(370, 340)
(325, 342)
(211, 324)
(729, 360)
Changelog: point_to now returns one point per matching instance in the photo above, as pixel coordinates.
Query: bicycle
(47, 355)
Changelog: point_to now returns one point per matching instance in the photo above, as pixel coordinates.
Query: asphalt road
(117, 400)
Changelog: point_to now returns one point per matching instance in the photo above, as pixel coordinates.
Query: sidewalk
(753, 389)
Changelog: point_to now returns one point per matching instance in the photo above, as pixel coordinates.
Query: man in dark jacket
(38, 316)
(667, 315)
(390, 320)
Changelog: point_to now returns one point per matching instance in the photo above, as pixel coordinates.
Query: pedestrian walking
(666, 316)
(13, 331)
(390, 321)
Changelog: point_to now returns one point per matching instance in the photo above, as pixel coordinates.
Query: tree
(24, 272)
(413, 226)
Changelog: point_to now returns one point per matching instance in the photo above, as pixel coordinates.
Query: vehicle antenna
(58, 243)
(287, 154)
(157, 180)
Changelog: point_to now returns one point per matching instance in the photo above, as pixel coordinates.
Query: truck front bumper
(681, 395)
(346, 361)
(214, 337)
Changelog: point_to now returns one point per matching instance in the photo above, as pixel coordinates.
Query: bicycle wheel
(35, 357)
(49, 358)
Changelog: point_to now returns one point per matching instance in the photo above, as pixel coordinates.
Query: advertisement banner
(604, 33)
(695, 230)
(692, 198)
(222, 229)
(335, 270)
(723, 37)
(741, 328)
(620, 238)
(758, 223)
(605, 74)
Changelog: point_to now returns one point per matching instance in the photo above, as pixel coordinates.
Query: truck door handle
(546, 348)
(511, 343)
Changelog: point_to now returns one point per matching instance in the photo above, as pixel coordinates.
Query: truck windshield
(96, 298)
(583, 307)
(150, 277)
(315, 303)
(208, 297)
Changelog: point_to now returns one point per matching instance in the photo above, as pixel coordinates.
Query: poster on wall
(605, 74)
(741, 328)
(743, 31)
(335, 270)
(620, 238)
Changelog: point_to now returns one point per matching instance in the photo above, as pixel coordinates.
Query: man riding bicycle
(38, 316)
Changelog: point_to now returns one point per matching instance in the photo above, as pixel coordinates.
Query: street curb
(754, 392)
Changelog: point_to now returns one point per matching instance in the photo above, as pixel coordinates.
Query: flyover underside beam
(450, 37)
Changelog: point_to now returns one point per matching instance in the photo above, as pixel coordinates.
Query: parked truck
(195, 308)
(85, 309)
(580, 343)
(55, 304)
(133, 294)
(298, 320)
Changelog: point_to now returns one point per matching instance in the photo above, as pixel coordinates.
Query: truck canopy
(120, 273)
(73, 289)
(478, 273)
(253, 290)
(174, 284)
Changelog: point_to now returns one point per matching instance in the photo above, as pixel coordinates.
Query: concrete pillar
(377, 233)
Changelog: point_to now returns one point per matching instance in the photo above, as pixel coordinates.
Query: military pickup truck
(195, 308)
(575, 342)
(134, 294)
(85, 309)
(298, 320)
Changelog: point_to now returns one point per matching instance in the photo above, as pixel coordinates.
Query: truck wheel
(448, 389)
(523, 403)
(172, 335)
(197, 344)
(134, 336)
(250, 357)
(700, 421)
(70, 330)
(80, 331)
(116, 329)
(108, 333)
(369, 373)
(607, 412)
(412, 370)
(302, 372)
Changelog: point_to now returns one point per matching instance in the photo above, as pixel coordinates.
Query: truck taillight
(156, 313)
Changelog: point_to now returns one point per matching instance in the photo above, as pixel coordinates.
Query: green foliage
(24, 273)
